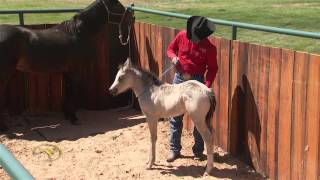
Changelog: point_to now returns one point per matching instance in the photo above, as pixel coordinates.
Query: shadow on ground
(54, 128)
(235, 169)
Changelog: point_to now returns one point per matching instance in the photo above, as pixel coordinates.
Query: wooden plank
(56, 91)
(236, 92)
(143, 62)
(264, 66)
(103, 68)
(273, 111)
(312, 118)
(32, 93)
(285, 111)
(216, 88)
(136, 44)
(43, 93)
(223, 97)
(298, 107)
(15, 94)
(251, 112)
(158, 47)
(237, 124)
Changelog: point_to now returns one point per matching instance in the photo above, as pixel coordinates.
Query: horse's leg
(152, 123)
(70, 95)
(3, 127)
(201, 125)
(4, 79)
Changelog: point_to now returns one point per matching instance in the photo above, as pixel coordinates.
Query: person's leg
(176, 125)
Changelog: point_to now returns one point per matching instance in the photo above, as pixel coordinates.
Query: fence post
(234, 32)
(21, 19)
(12, 166)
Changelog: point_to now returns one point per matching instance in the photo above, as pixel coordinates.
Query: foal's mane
(148, 76)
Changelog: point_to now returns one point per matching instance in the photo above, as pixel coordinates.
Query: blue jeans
(176, 125)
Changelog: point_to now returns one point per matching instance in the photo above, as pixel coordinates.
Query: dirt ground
(111, 144)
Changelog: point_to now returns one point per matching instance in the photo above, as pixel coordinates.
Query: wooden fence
(272, 120)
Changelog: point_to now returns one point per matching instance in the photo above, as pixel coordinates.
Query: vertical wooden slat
(137, 43)
(264, 63)
(285, 115)
(32, 93)
(216, 88)
(298, 107)
(313, 118)
(56, 91)
(223, 96)
(234, 131)
(238, 124)
(251, 109)
(158, 47)
(43, 96)
(273, 110)
(142, 45)
(15, 93)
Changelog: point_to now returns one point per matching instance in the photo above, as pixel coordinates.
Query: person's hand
(175, 60)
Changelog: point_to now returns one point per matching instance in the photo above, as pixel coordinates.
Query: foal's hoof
(149, 166)
(209, 172)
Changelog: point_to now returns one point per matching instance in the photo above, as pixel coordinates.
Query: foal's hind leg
(152, 123)
(207, 138)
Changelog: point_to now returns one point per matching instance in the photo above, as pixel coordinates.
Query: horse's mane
(82, 20)
(148, 76)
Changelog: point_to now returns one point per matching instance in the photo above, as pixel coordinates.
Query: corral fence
(267, 98)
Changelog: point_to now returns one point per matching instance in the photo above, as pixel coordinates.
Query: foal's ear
(128, 63)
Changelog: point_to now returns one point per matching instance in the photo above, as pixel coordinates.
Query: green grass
(292, 14)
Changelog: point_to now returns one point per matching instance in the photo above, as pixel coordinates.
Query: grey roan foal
(160, 100)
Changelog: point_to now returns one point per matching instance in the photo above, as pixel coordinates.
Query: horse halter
(119, 23)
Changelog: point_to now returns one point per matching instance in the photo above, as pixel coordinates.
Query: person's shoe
(199, 157)
(173, 156)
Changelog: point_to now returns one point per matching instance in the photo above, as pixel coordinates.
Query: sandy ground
(110, 144)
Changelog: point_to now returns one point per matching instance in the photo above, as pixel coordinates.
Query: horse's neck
(92, 18)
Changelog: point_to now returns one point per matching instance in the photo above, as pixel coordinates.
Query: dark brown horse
(63, 48)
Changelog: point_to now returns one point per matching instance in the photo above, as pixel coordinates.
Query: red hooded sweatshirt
(194, 58)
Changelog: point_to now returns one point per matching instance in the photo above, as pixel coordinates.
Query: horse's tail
(212, 108)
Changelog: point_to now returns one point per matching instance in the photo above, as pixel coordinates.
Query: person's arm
(173, 48)
(212, 66)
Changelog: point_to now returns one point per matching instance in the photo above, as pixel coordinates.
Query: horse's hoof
(75, 123)
(3, 128)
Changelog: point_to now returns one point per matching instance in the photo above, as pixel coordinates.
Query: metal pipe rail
(12, 166)
(235, 25)
(44, 11)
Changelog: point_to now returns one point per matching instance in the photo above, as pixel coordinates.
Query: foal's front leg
(152, 123)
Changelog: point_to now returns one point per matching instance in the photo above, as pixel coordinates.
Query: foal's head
(124, 78)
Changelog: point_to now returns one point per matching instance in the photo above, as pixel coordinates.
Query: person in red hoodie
(194, 57)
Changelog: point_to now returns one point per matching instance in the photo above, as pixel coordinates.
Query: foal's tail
(212, 108)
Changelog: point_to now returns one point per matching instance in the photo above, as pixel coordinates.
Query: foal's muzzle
(113, 91)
